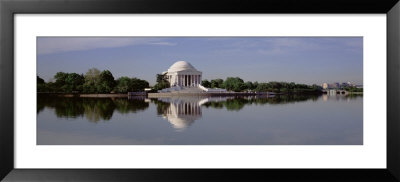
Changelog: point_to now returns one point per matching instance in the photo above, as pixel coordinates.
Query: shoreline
(155, 95)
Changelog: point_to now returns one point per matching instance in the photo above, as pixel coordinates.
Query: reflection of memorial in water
(183, 111)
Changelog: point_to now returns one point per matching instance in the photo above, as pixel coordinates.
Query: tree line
(353, 89)
(94, 81)
(238, 85)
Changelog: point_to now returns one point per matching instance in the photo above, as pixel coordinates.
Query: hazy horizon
(309, 60)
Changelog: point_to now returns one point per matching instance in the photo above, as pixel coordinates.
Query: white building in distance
(184, 78)
(183, 74)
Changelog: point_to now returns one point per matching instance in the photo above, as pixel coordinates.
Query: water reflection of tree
(353, 96)
(64, 107)
(94, 109)
(215, 105)
(125, 106)
(161, 106)
(236, 104)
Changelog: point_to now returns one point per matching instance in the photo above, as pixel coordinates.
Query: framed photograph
(206, 91)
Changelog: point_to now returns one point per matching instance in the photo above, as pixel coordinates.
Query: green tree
(68, 82)
(92, 78)
(234, 83)
(60, 81)
(263, 87)
(123, 84)
(106, 82)
(138, 85)
(292, 85)
(41, 85)
(217, 83)
(74, 82)
(206, 83)
(353, 89)
(275, 85)
(255, 85)
(249, 85)
(39, 80)
(50, 87)
(161, 78)
(162, 82)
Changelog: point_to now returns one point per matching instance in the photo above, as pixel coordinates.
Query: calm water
(283, 120)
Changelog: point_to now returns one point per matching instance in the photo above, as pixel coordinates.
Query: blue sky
(310, 60)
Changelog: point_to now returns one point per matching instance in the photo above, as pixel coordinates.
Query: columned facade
(183, 74)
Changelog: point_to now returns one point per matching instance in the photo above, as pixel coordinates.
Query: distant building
(337, 85)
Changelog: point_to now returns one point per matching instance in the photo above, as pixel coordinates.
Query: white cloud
(51, 45)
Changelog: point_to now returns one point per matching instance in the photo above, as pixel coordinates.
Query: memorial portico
(183, 74)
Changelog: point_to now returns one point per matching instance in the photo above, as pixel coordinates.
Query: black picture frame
(8, 8)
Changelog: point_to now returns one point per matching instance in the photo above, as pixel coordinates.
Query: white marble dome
(181, 66)
(183, 74)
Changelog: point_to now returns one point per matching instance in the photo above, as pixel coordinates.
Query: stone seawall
(202, 94)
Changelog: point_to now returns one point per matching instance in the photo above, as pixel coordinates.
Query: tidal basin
(255, 120)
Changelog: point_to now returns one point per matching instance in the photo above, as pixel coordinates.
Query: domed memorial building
(184, 78)
(183, 74)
